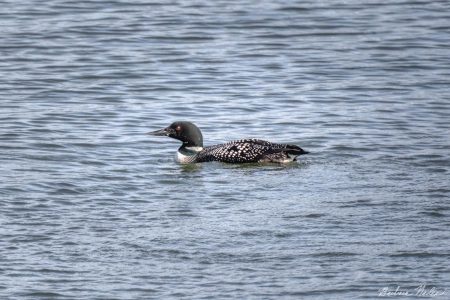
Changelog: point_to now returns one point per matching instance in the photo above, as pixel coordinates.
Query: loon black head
(187, 132)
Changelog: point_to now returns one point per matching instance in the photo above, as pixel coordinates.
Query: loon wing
(281, 153)
(247, 151)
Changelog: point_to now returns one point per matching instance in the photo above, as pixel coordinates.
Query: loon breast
(186, 155)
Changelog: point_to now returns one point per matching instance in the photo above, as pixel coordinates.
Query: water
(92, 208)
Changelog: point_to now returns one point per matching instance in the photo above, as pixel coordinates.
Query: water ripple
(92, 207)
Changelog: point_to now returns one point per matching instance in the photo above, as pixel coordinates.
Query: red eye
(178, 128)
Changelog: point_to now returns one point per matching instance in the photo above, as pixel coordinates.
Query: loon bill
(239, 151)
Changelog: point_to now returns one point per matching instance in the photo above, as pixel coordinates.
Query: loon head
(187, 132)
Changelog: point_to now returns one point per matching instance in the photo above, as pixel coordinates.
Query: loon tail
(295, 150)
(289, 149)
(282, 153)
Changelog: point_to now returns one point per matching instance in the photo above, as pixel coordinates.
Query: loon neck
(190, 150)
(188, 155)
(190, 143)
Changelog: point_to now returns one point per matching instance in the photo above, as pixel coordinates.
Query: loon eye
(178, 128)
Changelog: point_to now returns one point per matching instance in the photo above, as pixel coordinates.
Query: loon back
(239, 151)
(250, 151)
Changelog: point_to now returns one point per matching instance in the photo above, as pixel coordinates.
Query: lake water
(93, 208)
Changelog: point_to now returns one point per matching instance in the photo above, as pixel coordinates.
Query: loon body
(239, 151)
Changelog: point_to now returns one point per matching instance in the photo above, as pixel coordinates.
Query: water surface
(92, 208)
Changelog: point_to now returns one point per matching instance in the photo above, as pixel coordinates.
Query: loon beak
(161, 132)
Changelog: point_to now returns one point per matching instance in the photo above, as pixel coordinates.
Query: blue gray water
(92, 208)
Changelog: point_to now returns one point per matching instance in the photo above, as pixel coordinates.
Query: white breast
(190, 157)
(185, 159)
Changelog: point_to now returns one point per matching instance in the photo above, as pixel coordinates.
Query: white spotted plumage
(244, 151)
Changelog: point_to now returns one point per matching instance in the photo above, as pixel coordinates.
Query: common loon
(239, 151)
